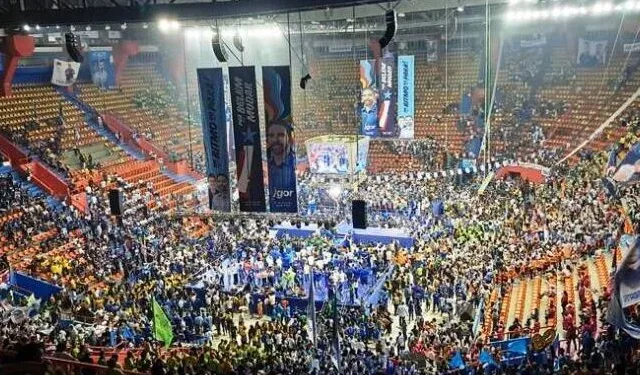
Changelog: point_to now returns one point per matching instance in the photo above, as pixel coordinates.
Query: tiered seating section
(161, 123)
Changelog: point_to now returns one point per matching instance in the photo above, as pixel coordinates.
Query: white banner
(591, 53)
(432, 50)
(535, 41)
(115, 34)
(632, 47)
(65, 73)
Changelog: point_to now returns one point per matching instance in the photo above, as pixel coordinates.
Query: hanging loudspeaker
(237, 42)
(218, 47)
(391, 21)
(303, 81)
(72, 42)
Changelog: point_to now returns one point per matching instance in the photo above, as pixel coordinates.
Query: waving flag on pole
(162, 330)
(311, 312)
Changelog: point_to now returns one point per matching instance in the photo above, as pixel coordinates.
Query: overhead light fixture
(107, 27)
(145, 25)
(37, 27)
(401, 15)
(57, 27)
(26, 27)
(123, 26)
(72, 28)
(88, 28)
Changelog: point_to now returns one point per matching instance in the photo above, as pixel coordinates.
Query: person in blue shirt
(282, 167)
(369, 113)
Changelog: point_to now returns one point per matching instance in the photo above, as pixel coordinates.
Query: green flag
(161, 325)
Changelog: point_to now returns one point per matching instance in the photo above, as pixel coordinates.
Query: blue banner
(281, 148)
(102, 72)
(214, 132)
(626, 287)
(246, 135)
(406, 96)
(629, 168)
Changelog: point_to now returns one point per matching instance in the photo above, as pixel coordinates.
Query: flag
(311, 312)
(518, 346)
(456, 362)
(612, 160)
(336, 332)
(162, 330)
(486, 359)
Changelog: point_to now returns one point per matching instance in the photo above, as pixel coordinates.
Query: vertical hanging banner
(406, 96)
(214, 131)
(281, 151)
(368, 106)
(387, 99)
(246, 135)
(101, 66)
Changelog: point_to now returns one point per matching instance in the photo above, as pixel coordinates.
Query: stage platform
(305, 231)
(369, 235)
(375, 234)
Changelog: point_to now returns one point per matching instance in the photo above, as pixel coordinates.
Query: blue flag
(486, 359)
(456, 362)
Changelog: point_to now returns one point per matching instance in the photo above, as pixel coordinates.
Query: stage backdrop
(246, 134)
(101, 66)
(337, 154)
(214, 132)
(281, 152)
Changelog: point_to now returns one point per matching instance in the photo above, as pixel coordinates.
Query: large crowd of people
(232, 291)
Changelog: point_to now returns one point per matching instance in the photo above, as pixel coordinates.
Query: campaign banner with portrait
(629, 168)
(214, 132)
(626, 287)
(591, 53)
(406, 96)
(281, 150)
(377, 100)
(246, 135)
(102, 73)
(65, 73)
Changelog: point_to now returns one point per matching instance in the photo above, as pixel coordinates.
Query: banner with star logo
(377, 110)
(214, 132)
(246, 134)
(281, 148)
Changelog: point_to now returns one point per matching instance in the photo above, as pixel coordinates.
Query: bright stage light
(26, 27)
(334, 192)
(164, 25)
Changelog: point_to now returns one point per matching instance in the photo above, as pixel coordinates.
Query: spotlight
(26, 27)
(88, 28)
(57, 27)
(37, 27)
(164, 25)
(460, 8)
(174, 25)
(145, 25)
(72, 28)
(107, 27)
(123, 26)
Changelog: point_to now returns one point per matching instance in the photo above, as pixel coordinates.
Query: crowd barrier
(41, 175)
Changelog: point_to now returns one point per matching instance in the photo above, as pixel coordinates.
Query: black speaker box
(391, 22)
(358, 214)
(218, 47)
(115, 202)
(73, 44)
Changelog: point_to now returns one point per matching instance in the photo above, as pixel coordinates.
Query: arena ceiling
(66, 12)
